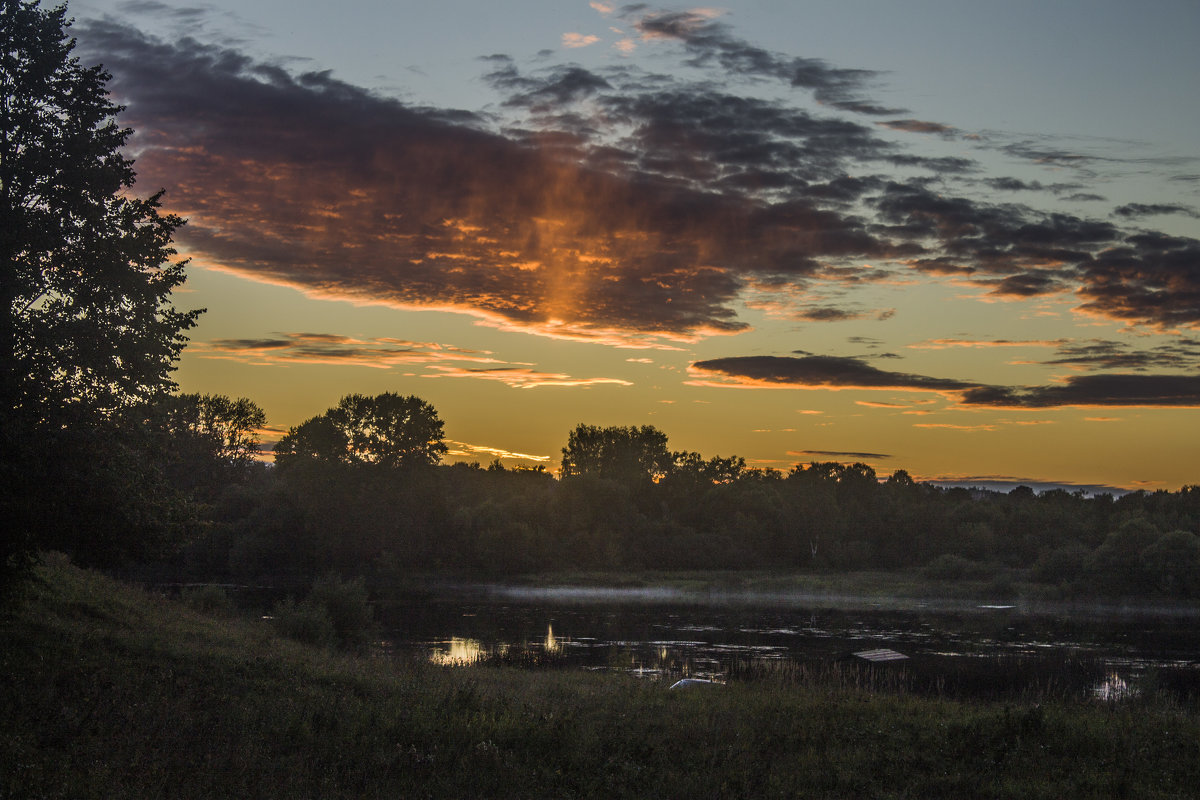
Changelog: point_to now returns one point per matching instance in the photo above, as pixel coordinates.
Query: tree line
(625, 501)
(361, 490)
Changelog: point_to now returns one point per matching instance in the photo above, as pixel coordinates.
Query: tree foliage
(87, 330)
(206, 440)
(627, 454)
(387, 430)
(625, 502)
(86, 269)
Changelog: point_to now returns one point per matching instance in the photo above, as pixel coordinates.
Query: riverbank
(112, 691)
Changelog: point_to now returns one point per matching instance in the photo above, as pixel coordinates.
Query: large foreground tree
(87, 330)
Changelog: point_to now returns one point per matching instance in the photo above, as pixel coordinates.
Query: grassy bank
(111, 692)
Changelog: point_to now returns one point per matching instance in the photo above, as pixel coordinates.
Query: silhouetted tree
(86, 273)
(319, 439)
(210, 440)
(626, 454)
(387, 430)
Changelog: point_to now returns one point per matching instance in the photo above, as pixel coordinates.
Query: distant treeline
(360, 491)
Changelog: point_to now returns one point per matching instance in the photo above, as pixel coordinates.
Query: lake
(952, 648)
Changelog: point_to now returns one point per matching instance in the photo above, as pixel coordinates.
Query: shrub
(306, 622)
(348, 608)
(208, 599)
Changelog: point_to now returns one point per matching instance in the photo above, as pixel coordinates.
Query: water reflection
(992, 651)
(459, 652)
(1114, 688)
(462, 651)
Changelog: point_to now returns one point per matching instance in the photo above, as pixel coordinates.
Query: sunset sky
(956, 238)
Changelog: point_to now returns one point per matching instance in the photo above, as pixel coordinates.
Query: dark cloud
(1149, 278)
(1050, 156)
(182, 13)
(1135, 391)
(821, 372)
(1025, 284)
(833, 373)
(1046, 151)
(558, 86)
(697, 131)
(1181, 354)
(1016, 185)
(307, 181)
(713, 43)
(609, 204)
(1136, 210)
(828, 314)
(1010, 185)
(999, 238)
(235, 345)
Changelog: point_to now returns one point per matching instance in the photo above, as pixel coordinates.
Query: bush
(306, 622)
(208, 599)
(348, 608)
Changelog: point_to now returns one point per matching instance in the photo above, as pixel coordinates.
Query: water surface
(664, 633)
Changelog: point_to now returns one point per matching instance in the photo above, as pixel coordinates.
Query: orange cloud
(942, 344)
(522, 378)
(577, 40)
(332, 349)
(963, 428)
(465, 450)
(875, 404)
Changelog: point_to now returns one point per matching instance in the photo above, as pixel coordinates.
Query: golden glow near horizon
(919, 430)
(680, 226)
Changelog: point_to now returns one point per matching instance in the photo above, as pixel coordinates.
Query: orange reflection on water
(458, 652)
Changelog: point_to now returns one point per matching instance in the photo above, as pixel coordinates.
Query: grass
(108, 691)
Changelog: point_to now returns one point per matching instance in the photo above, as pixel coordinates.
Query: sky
(956, 238)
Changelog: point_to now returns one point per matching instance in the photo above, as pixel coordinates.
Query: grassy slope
(109, 692)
